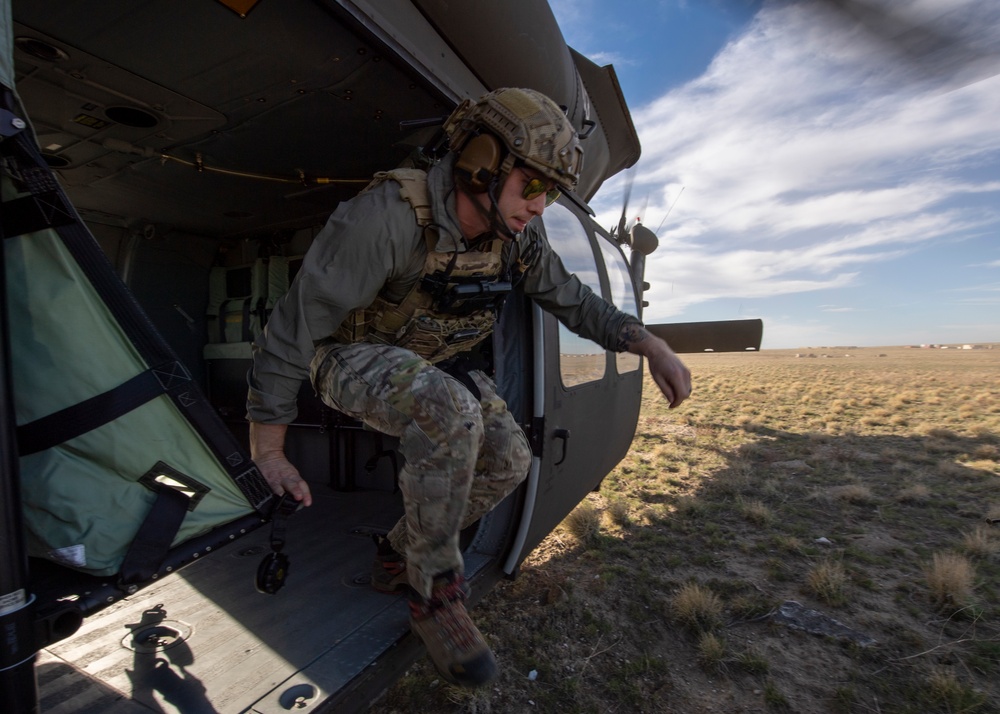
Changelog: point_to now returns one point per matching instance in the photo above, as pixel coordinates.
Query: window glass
(622, 295)
(580, 360)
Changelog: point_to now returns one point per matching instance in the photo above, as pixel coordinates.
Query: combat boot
(454, 643)
(389, 568)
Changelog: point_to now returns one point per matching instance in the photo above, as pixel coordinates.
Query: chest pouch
(465, 295)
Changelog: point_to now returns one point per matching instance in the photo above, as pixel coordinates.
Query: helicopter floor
(205, 640)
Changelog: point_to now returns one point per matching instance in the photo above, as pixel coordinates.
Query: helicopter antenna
(670, 209)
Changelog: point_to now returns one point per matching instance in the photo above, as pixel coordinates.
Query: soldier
(381, 304)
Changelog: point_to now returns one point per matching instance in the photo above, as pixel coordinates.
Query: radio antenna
(670, 209)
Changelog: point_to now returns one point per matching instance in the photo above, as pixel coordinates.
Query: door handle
(563, 435)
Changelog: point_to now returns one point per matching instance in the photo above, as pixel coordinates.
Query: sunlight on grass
(584, 522)
(863, 487)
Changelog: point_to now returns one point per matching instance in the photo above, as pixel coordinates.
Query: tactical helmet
(534, 129)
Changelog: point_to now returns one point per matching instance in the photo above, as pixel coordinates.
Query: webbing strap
(78, 419)
(34, 213)
(152, 541)
(138, 327)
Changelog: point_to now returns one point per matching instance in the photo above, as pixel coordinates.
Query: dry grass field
(864, 485)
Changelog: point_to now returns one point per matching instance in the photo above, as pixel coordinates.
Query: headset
(479, 161)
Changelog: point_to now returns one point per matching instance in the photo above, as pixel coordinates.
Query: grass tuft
(584, 522)
(945, 690)
(827, 581)
(712, 652)
(757, 512)
(697, 608)
(917, 493)
(980, 542)
(619, 513)
(950, 577)
(855, 493)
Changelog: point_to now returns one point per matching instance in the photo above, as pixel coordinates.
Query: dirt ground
(863, 484)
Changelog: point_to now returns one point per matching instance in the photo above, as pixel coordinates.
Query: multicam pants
(463, 456)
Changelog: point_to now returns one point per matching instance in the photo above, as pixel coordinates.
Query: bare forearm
(638, 340)
(666, 368)
(267, 441)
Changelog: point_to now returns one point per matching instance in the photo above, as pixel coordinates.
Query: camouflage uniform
(462, 455)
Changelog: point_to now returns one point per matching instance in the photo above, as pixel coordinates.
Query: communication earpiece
(479, 161)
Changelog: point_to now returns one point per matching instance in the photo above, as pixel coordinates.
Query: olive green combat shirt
(372, 244)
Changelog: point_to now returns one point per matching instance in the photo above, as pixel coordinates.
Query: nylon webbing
(152, 541)
(78, 419)
(34, 213)
(140, 330)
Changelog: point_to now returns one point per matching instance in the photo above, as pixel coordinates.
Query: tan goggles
(536, 187)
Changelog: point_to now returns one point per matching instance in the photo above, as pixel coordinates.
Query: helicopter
(165, 168)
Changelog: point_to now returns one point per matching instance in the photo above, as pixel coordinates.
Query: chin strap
(494, 223)
(497, 224)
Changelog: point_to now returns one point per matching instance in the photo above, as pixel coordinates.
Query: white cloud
(806, 158)
(834, 308)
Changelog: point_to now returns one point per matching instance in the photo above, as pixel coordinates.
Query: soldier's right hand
(283, 478)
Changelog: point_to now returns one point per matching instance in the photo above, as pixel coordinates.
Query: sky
(803, 168)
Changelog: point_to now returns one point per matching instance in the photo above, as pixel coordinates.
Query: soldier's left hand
(670, 374)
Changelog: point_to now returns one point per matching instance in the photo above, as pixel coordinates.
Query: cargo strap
(78, 419)
(24, 161)
(152, 541)
(34, 213)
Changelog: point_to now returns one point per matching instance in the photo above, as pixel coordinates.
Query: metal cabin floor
(204, 640)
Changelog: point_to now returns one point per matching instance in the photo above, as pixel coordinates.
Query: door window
(622, 295)
(580, 360)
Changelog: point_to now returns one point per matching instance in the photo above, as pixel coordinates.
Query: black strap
(139, 329)
(245, 317)
(78, 419)
(34, 213)
(152, 541)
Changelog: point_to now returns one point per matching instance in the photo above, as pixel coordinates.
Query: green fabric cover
(82, 502)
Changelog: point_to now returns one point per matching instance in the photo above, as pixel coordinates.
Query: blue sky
(819, 180)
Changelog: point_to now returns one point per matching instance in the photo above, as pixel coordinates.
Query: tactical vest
(451, 307)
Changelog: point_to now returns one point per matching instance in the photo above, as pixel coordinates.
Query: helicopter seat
(236, 312)
(236, 309)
